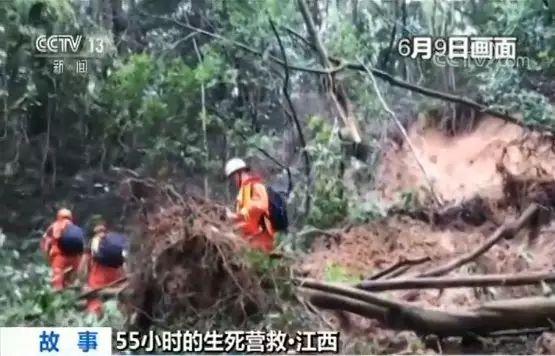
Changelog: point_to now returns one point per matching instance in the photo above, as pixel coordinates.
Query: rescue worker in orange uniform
(252, 215)
(64, 266)
(100, 275)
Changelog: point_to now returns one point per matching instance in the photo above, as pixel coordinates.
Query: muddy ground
(485, 162)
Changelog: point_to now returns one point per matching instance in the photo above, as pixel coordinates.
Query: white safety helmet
(64, 213)
(234, 165)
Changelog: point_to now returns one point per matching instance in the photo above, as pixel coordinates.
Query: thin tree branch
(300, 37)
(415, 153)
(378, 73)
(93, 292)
(519, 332)
(248, 48)
(302, 140)
(203, 117)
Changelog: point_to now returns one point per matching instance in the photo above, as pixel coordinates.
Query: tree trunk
(493, 316)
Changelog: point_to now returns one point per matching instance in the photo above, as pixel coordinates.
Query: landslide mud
(503, 164)
(465, 165)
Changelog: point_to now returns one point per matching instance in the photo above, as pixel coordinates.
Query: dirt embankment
(465, 165)
(501, 163)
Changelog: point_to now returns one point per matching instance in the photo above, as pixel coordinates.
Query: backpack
(278, 210)
(111, 250)
(72, 240)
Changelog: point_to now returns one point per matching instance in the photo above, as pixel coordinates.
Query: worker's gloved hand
(230, 215)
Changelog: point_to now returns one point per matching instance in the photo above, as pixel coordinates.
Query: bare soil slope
(484, 162)
(464, 165)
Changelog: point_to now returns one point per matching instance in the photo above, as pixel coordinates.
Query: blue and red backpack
(72, 240)
(111, 250)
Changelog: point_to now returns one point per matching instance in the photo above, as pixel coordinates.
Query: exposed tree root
(186, 264)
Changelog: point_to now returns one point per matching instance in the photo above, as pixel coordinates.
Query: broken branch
(447, 97)
(358, 67)
(95, 291)
(455, 282)
(295, 118)
(413, 149)
(508, 229)
(397, 265)
(490, 317)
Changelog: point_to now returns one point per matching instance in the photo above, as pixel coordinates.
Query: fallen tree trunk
(490, 317)
(455, 282)
(508, 229)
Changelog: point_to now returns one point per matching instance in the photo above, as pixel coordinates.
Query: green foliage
(409, 200)
(147, 95)
(249, 19)
(28, 300)
(502, 87)
(505, 86)
(530, 22)
(329, 203)
(336, 273)
(363, 212)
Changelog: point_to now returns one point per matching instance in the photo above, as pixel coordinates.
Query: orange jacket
(58, 261)
(49, 243)
(253, 215)
(99, 275)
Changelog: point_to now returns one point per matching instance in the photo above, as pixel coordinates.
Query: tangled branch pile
(187, 267)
